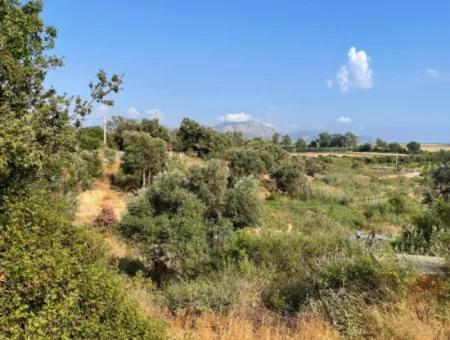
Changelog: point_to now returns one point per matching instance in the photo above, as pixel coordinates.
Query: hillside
(249, 129)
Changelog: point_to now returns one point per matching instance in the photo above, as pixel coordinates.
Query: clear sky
(286, 63)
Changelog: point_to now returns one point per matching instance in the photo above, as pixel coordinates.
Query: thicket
(54, 282)
(185, 221)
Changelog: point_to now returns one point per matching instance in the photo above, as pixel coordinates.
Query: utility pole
(104, 128)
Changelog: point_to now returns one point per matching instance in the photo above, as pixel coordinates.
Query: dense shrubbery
(185, 220)
(118, 126)
(290, 177)
(56, 282)
(90, 138)
(144, 157)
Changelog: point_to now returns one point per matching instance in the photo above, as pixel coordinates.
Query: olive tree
(145, 156)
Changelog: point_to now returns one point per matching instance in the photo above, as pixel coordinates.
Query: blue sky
(286, 63)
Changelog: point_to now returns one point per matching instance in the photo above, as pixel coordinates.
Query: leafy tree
(413, 147)
(324, 140)
(242, 205)
(290, 177)
(276, 138)
(441, 177)
(90, 138)
(144, 156)
(117, 126)
(380, 145)
(54, 280)
(395, 147)
(300, 144)
(191, 135)
(367, 147)
(245, 161)
(155, 129)
(350, 140)
(209, 183)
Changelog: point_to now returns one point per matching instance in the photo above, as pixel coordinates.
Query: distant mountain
(249, 129)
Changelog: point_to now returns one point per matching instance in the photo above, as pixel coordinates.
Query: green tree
(90, 138)
(155, 129)
(290, 177)
(242, 204)
(209, 183)
(54, 280)
(145, 156)
(324, 140)
(276, 138)
(300, 144)
(380, 145)
(245, 161)
(413, 147)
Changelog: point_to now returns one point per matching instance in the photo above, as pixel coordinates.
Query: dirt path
(91, 202)
(425, 264)
(411, 174)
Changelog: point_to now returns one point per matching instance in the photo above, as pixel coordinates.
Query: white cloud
(155, 113)
(432, 73)
(132, 112)
(344, 120)
(236, 117)
(356, 74)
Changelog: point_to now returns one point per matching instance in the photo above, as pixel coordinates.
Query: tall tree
(145, 156)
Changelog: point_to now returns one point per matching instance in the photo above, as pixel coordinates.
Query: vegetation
(221, 230)
(54, 280)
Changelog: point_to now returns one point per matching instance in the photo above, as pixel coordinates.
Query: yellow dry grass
(435, 147)
(91, 202)
(231, 327)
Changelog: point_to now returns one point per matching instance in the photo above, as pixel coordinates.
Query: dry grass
(231, 327)
(90, 202)
(435, 147)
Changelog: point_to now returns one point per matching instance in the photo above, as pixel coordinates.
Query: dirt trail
(91, 202)
(425, 264)
(405, 174)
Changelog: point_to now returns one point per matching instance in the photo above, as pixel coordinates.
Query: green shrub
(242, 204)
(349, 267)
(245, 161)
(217, 293)
(57, 284)
(209, 183)
(290, 177)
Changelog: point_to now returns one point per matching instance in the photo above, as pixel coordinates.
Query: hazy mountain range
(252, 129)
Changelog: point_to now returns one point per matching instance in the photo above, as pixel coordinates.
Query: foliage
(56, 283)
(216, 293)
(244, 162)
(144, 157)
(209, 183)
(413, 147)
(290, 177)
(325, 140)
(242, 205)
(90, 138)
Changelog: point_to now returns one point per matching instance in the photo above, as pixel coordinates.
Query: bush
(144, 158)
(290, 178)
(209, 183)
(245, 162)
(242, 204)
(217, 293)
(90, 138)
(107, 218)
(351, 268)
(56, 281)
